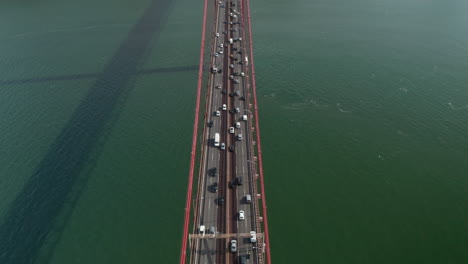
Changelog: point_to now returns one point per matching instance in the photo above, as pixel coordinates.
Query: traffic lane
(210, 207)
(209, 215)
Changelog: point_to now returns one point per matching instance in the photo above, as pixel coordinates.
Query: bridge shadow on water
(61, 173)
(72, 77)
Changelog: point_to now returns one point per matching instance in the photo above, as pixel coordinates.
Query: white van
(237, 124)
(248, 198)
(244, 117)
(202, 230)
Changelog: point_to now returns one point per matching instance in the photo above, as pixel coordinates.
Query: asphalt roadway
(229, 164)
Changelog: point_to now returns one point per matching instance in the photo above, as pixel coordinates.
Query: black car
(242, 259)
(242, 98)
(214, 172)
(214, 187)
(231, 148)
(220, 201)
(231, 184)
(232, 111)
(239, 180)
(210, 124)
(224, 92)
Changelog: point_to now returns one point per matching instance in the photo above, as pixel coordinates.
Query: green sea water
(96, 110)
(364, 118)
(363, 107)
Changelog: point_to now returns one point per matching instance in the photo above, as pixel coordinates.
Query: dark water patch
(32, 214)
(72, 77)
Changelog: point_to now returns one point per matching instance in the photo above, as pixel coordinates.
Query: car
(233, 245)
(253, 237)
(243, 260)
(236, 93)
(239, 180)
(218, 86)
(231, 184)
(231, 94)
(210, 124)
(231, 148)
(237, 124)
(214, 187)
(237, 110)
(232, 111)
(212, 230)
(241, 215)
(216, 54)
(214, 172)
(218, 113)
(220, 201)
(224, 107)
(223, 91)
(202, 230)
(221, 45)
(223, 146)
(217, 34)
(242, 74)
(231, 77)
(221, 52)
(239, 137)
(236, 81)
(231, 66)
(242, 98)
(231, 130)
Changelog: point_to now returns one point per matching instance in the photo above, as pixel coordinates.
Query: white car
(221, 45)
(216, 54)
(218, 113)
(253, 237)
(221, 52)
(224, 107)
(237, 124)
(231, 130)
(223, 146)
(241, 215)
(217, 34)
(233, 245)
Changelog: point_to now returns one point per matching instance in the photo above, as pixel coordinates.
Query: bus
(216, 141)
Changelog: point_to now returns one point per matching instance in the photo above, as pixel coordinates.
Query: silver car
(233, 245)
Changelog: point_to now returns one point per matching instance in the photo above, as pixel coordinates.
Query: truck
(216, 140)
